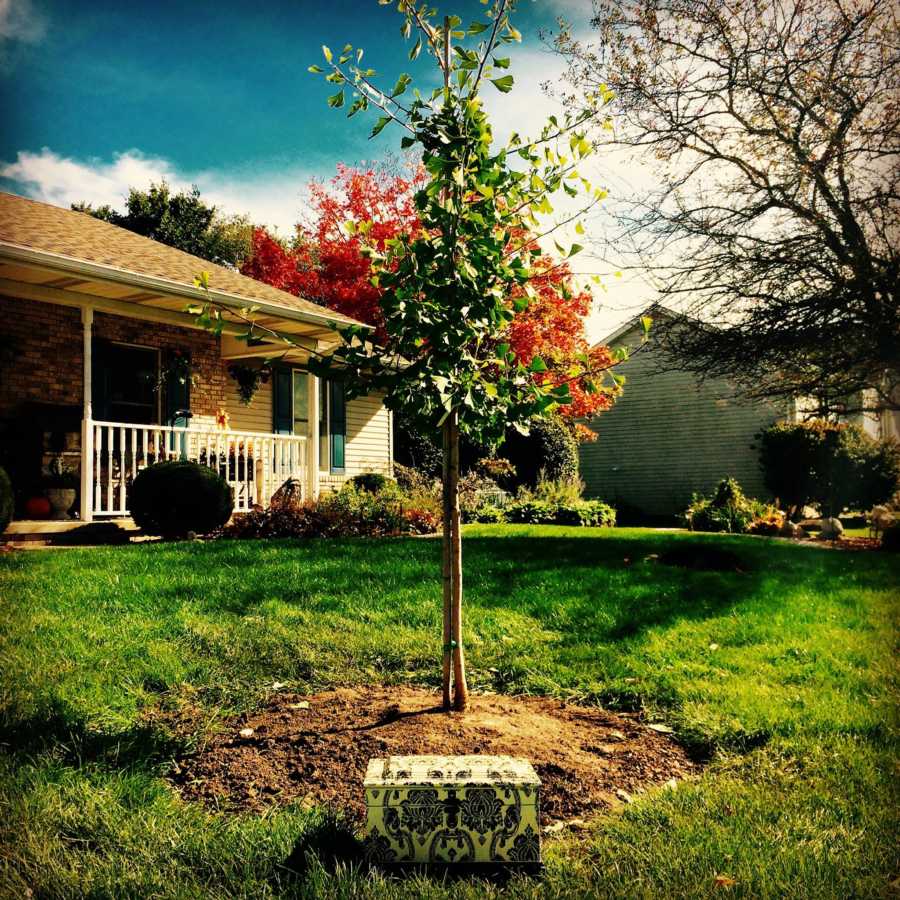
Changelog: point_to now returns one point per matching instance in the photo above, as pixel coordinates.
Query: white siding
(368, 436)
(368, 429)
(669, 436)
(257, 416)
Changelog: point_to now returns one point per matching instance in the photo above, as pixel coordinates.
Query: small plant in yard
(728, 509)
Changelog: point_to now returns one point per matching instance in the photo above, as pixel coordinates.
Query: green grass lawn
(784, 674)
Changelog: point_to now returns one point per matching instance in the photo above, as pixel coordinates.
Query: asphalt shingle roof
(40, 226)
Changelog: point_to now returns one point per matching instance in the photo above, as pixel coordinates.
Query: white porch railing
(253, 463)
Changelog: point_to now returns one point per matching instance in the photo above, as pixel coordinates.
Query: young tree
(445, 290)
(181, 220)
(773, 128)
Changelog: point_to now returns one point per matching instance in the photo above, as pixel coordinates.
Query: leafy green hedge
(545, 512)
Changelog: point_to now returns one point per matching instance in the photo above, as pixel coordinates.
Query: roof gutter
(73, 266)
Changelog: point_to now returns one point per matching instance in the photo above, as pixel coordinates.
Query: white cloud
(270, 197)
(20, 21)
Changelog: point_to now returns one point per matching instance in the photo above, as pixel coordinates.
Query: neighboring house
(670, 435)
(100, 361)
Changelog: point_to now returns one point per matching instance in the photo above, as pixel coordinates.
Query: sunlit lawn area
(784, 674)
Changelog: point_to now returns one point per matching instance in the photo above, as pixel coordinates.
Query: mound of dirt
(317, 749)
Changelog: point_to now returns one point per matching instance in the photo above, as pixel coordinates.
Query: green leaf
(415, 50)
(537, 365)
(336, 100)
(402, 84)
(646, 322)
(575, 248)
(477, 28)
(316, 70)
(504, 84)
(379, 126)
(501, 62)
(326, 53)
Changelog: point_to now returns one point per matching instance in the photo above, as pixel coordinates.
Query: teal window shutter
(338, 421)
(282, 401)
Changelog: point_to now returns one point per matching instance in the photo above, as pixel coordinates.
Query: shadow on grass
(521, 569)
(74, 742)
(331, 844)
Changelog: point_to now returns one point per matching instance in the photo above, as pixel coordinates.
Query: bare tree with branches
(773, 127)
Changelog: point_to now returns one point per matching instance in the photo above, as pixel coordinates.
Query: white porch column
(87, 422)
(312, 462)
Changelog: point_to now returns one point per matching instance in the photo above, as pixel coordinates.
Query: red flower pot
(37, 508)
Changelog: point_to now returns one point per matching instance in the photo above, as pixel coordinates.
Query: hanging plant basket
(248, 379)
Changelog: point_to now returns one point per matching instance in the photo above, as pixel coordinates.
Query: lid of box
(402, 771)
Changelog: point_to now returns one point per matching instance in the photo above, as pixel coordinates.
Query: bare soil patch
(316, 749)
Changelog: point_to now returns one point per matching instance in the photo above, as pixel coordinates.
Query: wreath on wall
(249, 379)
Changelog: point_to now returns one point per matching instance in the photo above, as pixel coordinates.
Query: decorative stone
(452, 809)
(831, 529)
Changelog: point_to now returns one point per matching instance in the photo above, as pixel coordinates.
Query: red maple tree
(325, 264)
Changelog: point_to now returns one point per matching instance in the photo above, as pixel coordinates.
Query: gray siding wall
(669, 436)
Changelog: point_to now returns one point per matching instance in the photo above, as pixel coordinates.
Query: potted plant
(60, 487)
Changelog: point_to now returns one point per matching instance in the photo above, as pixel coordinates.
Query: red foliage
(326, 266)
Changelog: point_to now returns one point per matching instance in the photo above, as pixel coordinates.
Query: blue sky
(98, 96)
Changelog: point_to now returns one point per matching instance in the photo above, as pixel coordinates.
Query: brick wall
(40, 355)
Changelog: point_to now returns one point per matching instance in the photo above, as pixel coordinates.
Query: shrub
(546, 512)
(769, 523)
(728, 510)
(420, 521)
(832, 466)
(549, 450)
(489, 515)
(373, 482)
(890, 539)
(173, 498)
(6, 500)
(349, 512)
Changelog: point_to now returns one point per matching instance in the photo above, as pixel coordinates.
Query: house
(670, 435)
(102, 367)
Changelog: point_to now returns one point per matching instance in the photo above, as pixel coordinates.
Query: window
(126, 383)
(332, 427)
(291, 414)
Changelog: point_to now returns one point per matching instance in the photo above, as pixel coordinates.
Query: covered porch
(63, 312)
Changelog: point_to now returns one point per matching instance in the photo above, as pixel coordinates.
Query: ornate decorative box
(452, 809)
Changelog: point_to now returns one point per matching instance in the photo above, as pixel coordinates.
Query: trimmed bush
(6, 500)
(545, 512)
(174, 498)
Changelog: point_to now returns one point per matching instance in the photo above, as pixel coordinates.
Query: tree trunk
(447, 507)
(460, 687)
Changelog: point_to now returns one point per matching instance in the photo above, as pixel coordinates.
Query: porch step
(69, 533)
